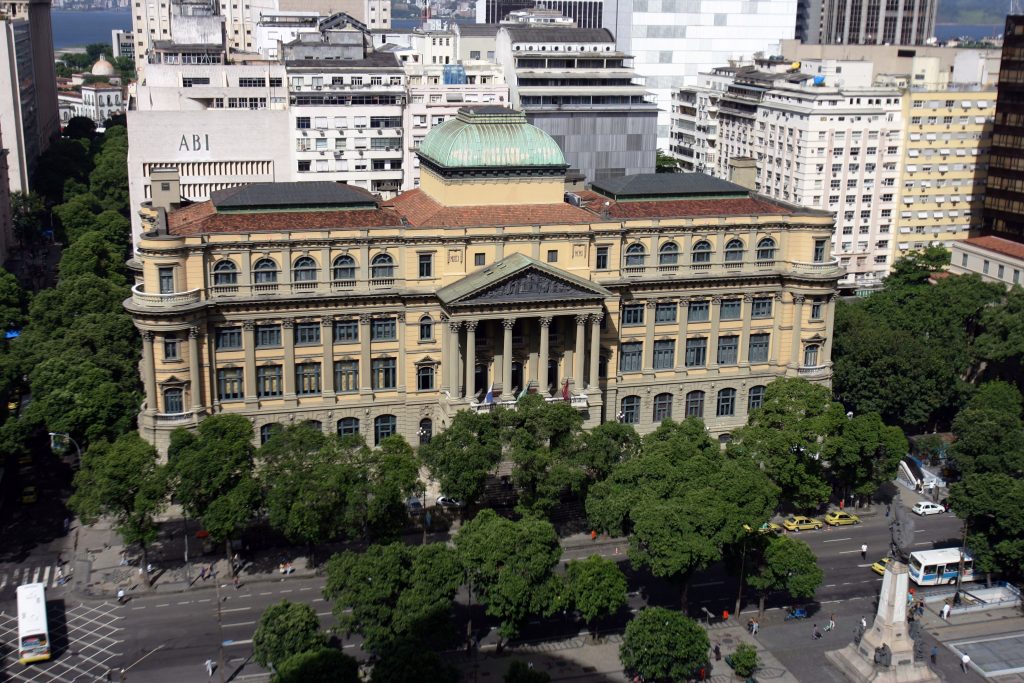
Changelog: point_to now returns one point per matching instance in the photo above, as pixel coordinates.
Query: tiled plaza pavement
(84, 641)
(995, 655)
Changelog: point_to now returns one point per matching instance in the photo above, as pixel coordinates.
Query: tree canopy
(284, 630)
(318, 666)
(664, 645)
(787, 564)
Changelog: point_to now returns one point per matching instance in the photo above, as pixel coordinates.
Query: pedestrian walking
(935, 653)
(815, 633)
(831, 622)
(209, 668)
(120, 596)
(965, 662)
(235, 581)
(842, 503)
(718, 653)
(67, 524)
(863, 624)
(757, 627)
(202, 573)
(149, 568)
(863, 551)
(945, 611)
(750, 625)
(888, 508)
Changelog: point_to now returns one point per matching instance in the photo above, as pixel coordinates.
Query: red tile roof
(681, 208)
(203, 218)
(421, 210)
(999, 245)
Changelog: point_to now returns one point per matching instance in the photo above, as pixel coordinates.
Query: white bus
(934, 567)
(33, 635)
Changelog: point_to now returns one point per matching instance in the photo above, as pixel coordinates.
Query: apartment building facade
(648, 297)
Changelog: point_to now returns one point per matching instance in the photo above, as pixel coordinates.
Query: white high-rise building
(674, 41)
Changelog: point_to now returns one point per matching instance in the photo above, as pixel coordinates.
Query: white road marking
(834, 540)
(240, 623)
(924, 543)
(236, 609)
(142, 607)
(204, 600)
(185, 602)
(865, 565)
(166, 604)
(229, 643)
(830, 585)
(847, 552)
(307, 588)
(287, 591)
(267, 593)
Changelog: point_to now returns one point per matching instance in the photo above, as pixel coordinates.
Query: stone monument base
(859, 666)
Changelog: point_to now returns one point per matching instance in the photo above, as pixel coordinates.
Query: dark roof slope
(666, 185)
(478, 29)
(320, 194)
(559, 34)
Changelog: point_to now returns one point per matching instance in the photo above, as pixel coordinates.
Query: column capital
(400, 317)
(651, 304)
(508, 323)
(684, 302)
(454, 325)
(327, 321)
(471, 325)
(148, 336)
(778, 296)
(581, 319)
(798, 299)
(247, 325)
(364, 318)
(716, 300)
(596, 318)
(545, 321)
(747, 298)
(193, 332)
(288, 323)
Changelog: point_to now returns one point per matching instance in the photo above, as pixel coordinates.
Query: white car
(926, 508)
(446, 502)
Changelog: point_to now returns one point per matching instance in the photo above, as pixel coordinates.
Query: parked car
(801, 523)
(879, 567)
(766, 528)
(926, 507)
(414, 505)
(446, 502)
(840, 518)
(29, 495)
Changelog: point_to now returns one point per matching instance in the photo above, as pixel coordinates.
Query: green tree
(989, 432)
(408, 662)
(1001, 343)
(596, 587)
(602, 448)
(788, 565)
(990, 505)
(77, 215)
(318, 666)
(80, 127)
(93, 254)
(393, 594)
(27, 215)
(13, 301)
(393, 477)
(917, 266)
(521, 672)
(461, 457)
(745, 660)
(865, 454)
(510, 567)
(54, 310)
(122, 480)
(663, 645)
(665, 163)
(284, 630)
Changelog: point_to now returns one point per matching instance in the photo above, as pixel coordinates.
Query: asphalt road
(169, 637)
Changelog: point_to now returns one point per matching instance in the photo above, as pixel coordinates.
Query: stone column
(327, 370)
(798, 312)
(650, 311)
(470, 359)
(684, 312)
(716, 307)
(542, 357)
(288, 340)
(506, 357)
(402, 370)
(453, 356)
(149, 371)
(195, 369)
(365, 366)
(595, 350)
(744, 351)
(529, 333)
(581, 350)
(444, 353)
(775, 343)
(249, 372)
(830, 314)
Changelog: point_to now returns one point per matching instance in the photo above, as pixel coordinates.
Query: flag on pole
(565, 391)
(489, 398)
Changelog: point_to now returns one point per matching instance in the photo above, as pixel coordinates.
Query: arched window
(304, 270)
(726, 403)
(635, 255)
(426, 432)
(268, 430)
(811, 356)
(174, 401)
(425, 378)
(344, 268)
(426, 328)
(225, 274)
(348, 426)
(668, 255)
(733, 251)
(702, 252)
(630, 411)
(316, 425)
(265, 272)
(766, 249)
(755, 398)
(383, 427)
(695, 404)
(662, 407)
(382, 267)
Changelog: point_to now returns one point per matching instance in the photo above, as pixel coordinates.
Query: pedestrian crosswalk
(12, 577)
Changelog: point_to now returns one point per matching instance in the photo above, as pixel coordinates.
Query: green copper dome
(490, 137)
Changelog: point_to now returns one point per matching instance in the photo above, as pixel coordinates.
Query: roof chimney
(743, 171)
(166, 188)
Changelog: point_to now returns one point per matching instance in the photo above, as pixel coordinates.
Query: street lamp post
(64, 435)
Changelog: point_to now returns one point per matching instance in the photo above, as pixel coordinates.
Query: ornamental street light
(58, 443)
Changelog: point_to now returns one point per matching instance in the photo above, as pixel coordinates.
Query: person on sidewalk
(718, 653)
(831, 622)
(945, 611)
(815, 633)
(935, 653)
(756, 628)
(965, 662)
(120, 596)
(863, 551)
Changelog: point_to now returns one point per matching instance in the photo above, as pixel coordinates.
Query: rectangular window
(984, 266)
(229, 384)
(346, 331)
(166, 276)
(479, 259)
(696, 352)
(228, 338)
(999, 272)
(820, 247)
(307, 379)
(383, 329)
(303, 122)
(552, 256)
(268, 381)
(268, 336)
(727, 348)
(630, 357)
(632, 315)
(815, 310)
(665, 313)
(346, 376)
(307, 333)
(426, 265)
(758, 349)
(252, 82)
(761, 307)
(171, 348)
(384, 373)
(664, 354)
(602, 258)
(697, 312)
(730, 309)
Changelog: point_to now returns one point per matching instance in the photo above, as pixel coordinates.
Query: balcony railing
(164, 300)
(814, 370)
(580, 402)
(731, 267)
(170, 418)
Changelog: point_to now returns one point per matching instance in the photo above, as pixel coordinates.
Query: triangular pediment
(520, 279)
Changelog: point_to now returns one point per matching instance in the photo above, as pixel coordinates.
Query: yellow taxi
(840, 518)
(766, 528)
(879, 567)
(29, 495)
(801, 523)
